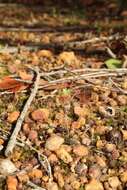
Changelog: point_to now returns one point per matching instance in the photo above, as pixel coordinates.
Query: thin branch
(6, 92)
(35, 187)
(48, 168)
(120, 89)
(17, 5)
(44, 28)
(84, 73)
(20, 120)
(111, 53)
(24, 81)
(125, 61)
(40, 27)
(80, 44)
(121, 70)
(15, 49)
(9, 92)
(44, 97)
(25, 170)
(83, 76)
(75, 45)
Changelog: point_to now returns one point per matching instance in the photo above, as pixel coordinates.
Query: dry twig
(75, 45)
(111, 53)
(120, 89)
(48, 167)
(121, 70)
(82, 76)
(20, 120)
(81, 44)
(34, 187)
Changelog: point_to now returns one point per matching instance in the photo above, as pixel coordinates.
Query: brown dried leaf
(12, 85)
(80, 150)
(35, 173)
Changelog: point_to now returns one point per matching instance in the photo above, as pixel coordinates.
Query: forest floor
(63, 98)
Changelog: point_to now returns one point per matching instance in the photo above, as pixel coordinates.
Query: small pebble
(53, 186)
(114, 182)
(94, 185)
(41, 114)
(95, 171)
(12, 117)
(123, 177)
(33, 135)
(35, 173)
(7, 167)
(12, 183)
(64, 155)
(54, 142)
(80, 150)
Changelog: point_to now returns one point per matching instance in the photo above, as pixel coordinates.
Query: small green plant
(113, 63)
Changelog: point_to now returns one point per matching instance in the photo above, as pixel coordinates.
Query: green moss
(2, 125)
(82, 187)
(2, 183)
(71, 21)
(109, 122)
(124, 109)
(2, 107)
(21, 100)
(3, 71)
(64, 166)
(26, 154)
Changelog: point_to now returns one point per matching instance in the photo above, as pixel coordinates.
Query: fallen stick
(111, 53)
(34, 186)
(43, 28)
(119, 88)
(37, 28)
(54, 47)
(75, 45)
(15, 49)
(82, 76)
(120, 70)
(80, 44)
(48, 167)
(12, 142)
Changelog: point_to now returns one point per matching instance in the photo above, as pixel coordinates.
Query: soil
(74, 133)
